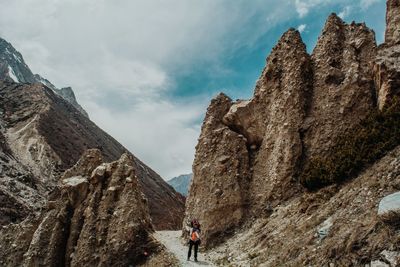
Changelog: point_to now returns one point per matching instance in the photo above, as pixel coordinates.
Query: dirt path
(171, 240)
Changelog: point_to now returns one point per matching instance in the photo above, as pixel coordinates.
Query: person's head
(195, 223)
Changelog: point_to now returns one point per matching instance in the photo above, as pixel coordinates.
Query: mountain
(66, 183)
(181, 183)
(47, 135)
(294, 174)
(14, 68)
(46, 131)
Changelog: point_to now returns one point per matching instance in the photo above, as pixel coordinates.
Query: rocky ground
(337, 226)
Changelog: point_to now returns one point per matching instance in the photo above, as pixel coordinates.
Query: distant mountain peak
(181, 183)
(13, 68)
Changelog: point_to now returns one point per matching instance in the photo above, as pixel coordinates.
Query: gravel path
(172, 241)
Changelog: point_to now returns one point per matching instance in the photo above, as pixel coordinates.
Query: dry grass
(356, 149)
(391, 219)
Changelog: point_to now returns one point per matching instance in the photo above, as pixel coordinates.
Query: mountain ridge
(14, 68)
(181, 183)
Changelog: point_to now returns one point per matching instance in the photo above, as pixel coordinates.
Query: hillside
(48, 135)
(13, 68)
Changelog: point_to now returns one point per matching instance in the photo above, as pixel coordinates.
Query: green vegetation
(367, 142)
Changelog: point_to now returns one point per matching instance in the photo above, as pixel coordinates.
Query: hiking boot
(188, 259)
(195, 260)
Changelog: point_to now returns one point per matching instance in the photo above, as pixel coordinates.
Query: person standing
(194, 240)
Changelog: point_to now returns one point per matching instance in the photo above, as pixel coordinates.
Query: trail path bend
(172, 241)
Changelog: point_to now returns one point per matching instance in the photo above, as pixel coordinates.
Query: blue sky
(146, 70)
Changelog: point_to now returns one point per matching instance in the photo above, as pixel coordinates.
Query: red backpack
(194, 236)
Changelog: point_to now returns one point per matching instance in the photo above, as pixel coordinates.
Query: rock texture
(356, 236)
(47, 135)
(343, 88)
(387, 65)
(282, 93)
(302, 103)
(392, 33)
(387, 74)
(217, 195)
(21, 192)
(96, 217)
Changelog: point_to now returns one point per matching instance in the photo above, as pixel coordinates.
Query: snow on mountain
(13, 66)
(12, 75)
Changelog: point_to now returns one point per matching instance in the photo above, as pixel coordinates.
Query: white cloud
(122, 57)
(345, 12)
(302, 28)
(367, 3)
(162, 133)
(303, 7)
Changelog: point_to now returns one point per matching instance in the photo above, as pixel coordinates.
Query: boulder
(390, 203)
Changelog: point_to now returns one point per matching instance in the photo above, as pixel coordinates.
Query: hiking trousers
(196, 248)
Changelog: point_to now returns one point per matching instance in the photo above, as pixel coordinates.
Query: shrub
(367, 142)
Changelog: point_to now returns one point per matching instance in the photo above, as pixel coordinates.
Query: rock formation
(392, 33)
(218, 193)
(343, 88)
(281, 93)
(47, 135)
(387, 66)
(302, 103)
(98, 216)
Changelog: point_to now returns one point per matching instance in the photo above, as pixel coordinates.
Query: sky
(146, 70)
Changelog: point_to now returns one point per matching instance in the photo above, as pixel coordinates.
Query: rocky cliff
(98, 216)
(386, 65)
(253, 155)
(14, 68)
(47, 135)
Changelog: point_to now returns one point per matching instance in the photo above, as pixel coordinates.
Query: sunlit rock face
(221, 170)
(387, 65)
(251, 151)
(98, 216)
(343, 86)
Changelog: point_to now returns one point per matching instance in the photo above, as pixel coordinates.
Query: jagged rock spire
(342, 83)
